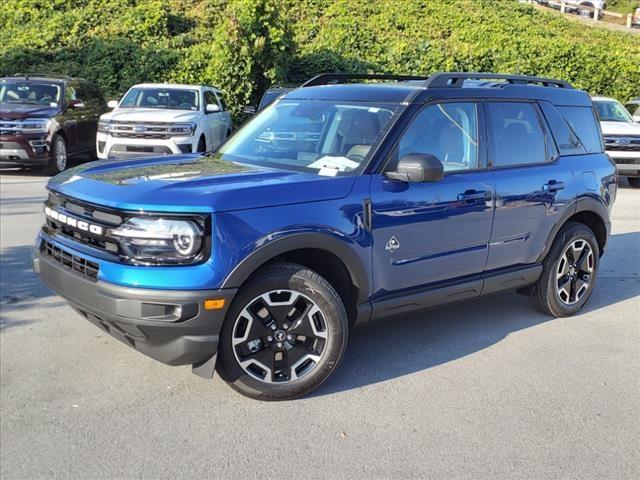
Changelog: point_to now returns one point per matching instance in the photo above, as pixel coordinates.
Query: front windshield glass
(165, 98)
(29, 92)
(327, 137)
(611, 111)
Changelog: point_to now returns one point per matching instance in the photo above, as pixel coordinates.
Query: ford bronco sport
(340, 204)
(46, 118)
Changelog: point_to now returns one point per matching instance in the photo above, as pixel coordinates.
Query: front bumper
(31, 149)
(627, 162)
(170, 326)
(114, 147)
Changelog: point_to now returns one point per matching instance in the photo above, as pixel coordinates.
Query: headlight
(105, 126)
(161, 240)
(182, 129)
(34, 125)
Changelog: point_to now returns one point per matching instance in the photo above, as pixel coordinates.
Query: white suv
(157, 119)
(621, 137)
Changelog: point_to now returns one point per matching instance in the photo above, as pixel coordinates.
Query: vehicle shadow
(403, 346)
(19, 287)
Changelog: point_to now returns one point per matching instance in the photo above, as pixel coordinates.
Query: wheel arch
(588, 211)
(332, 258)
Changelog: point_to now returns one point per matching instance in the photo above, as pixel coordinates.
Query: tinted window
(516, 135)
(210, 98)
(566, 141)
(633, 108)
(584, 124)
(38, 93)
(222, 102)
(165, 98)
(447, 130)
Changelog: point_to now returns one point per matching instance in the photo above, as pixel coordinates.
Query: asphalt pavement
(486, 389)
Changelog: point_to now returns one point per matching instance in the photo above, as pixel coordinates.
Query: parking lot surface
(486, 389)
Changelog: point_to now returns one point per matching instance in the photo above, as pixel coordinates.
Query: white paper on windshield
(333, 164)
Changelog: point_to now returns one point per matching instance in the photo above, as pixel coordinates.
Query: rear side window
(567, 142)
(517, 137)
(584, 124)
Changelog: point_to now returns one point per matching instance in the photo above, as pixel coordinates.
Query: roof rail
(456, 79)
(44, 75)
(333, 78)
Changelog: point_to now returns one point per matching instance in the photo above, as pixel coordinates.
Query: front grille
(92, 214)
(156, 130)
(627, 161)
(622, 143)
(79, 265)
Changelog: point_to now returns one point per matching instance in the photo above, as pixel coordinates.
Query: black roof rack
(456, 79)
(333, 78)
(61, 76)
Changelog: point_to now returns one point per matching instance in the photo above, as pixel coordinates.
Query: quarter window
(447, 130)
(583, 122)
(516, 135)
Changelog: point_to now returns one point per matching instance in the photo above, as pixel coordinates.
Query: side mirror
(112, 104)
(417, 168)
(249, 110)
(212, 108)
(76, 104)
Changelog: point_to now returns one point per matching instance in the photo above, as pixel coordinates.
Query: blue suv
(340, 204)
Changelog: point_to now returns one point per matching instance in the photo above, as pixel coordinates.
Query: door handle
(553, 186)
(472, 195)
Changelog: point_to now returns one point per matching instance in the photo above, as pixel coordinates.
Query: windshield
(323, 136)
(165, 98)
(36, 93)
(611, 111)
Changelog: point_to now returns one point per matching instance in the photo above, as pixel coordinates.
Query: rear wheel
(285, 333)
(58, 160)
(634, 182)
(569, 271)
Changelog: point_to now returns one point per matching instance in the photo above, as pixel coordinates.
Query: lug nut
(270, 338)
(280, 344)
(289, 337)
(285, 326)
(273, 326)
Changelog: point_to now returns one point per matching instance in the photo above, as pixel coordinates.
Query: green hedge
(245, 45)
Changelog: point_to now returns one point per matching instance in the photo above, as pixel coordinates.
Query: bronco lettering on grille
(73, 222)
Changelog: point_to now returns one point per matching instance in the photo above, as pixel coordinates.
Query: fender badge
(392, 245)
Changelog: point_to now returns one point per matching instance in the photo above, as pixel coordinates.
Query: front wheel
(569, 271)
(58, 159)
(284, 334)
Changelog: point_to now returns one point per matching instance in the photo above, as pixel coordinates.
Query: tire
(269, 349)
(58, 160)
(634, 182)
(202, 145)
(566, 283)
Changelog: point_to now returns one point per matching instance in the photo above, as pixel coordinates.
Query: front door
(425, 233)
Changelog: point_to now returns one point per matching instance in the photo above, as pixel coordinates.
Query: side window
(70, 94)
(210, 98)
(447, 130)
(585, 125)
(566, 141)
(223, 104)
(516, 136)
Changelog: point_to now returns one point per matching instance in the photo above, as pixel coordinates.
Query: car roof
(601, 98)
(27, 78)
(416, 92)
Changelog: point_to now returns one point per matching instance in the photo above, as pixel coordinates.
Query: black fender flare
(299, 241)
(582, 204)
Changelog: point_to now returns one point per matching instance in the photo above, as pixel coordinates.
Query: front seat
(358, 131)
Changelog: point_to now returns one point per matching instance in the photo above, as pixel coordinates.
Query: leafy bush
(245, 45)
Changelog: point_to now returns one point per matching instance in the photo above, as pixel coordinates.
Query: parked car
(621, 137)
(633, 107)
(270, 96)
(45, 119)
(158, 119)
(578, 6)
(635, 20)
(258, 260)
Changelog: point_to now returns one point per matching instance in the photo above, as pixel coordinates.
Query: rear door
(425, 233)
(533, 184)
(213, 120)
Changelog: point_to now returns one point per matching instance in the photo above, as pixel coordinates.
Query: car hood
(620, 128)
(19, 111)
(193, 183)
(149, 114)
